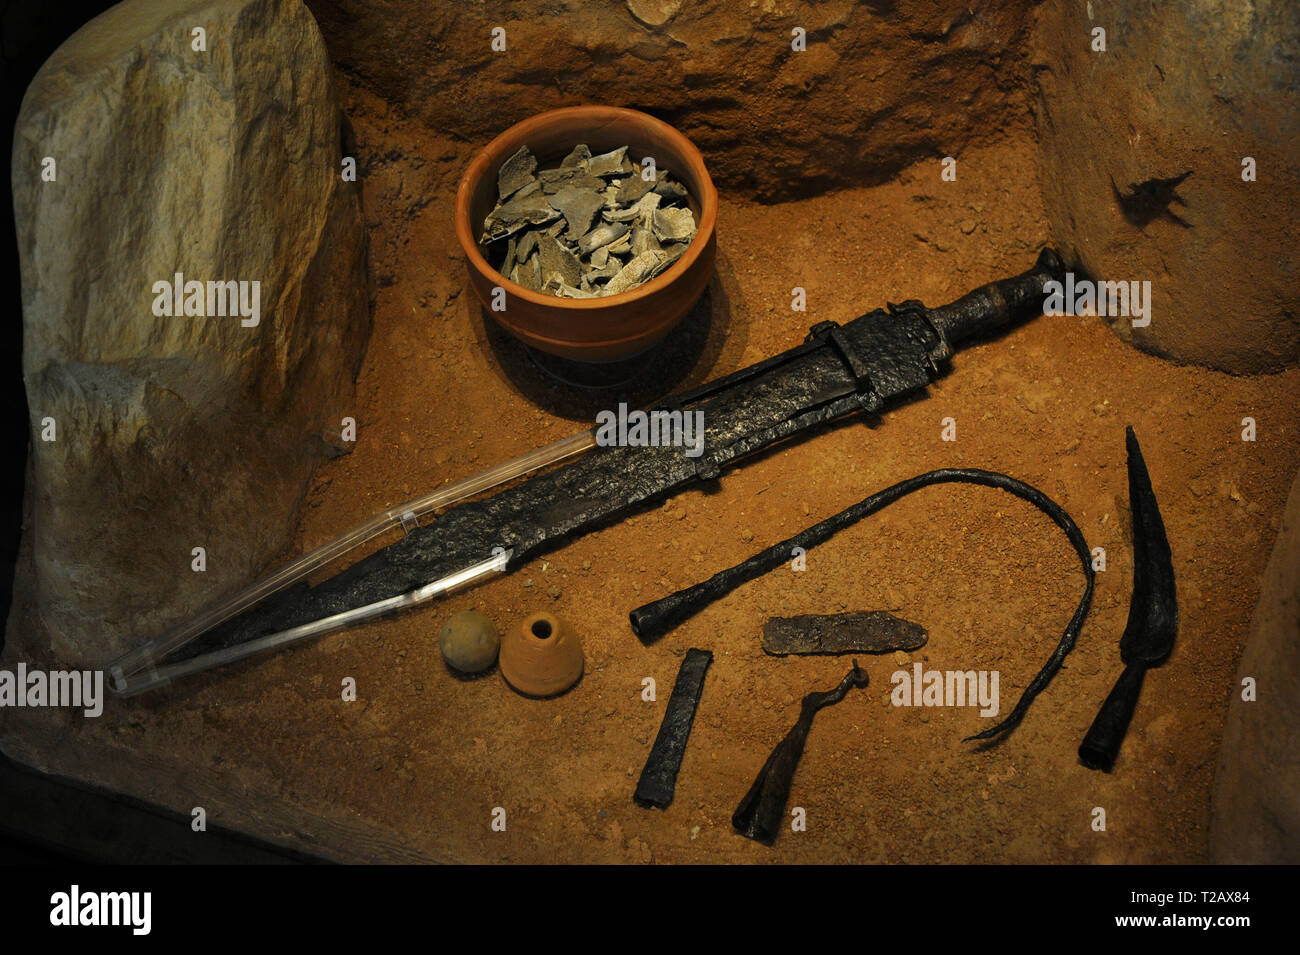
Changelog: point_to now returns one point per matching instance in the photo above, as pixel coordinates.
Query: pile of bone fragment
(593, 226)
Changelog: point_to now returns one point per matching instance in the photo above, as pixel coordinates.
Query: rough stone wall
(1256, 817)
(177, 431)
(880, 85)
(1180, 88)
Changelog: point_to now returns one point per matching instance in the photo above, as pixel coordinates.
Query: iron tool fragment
(761, 813)
(860, 631)
(658, 779)
(654, 619)
(1152, 616)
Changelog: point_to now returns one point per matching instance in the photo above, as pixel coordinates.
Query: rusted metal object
(860, 366)
(859, 631)
(658, 779)
(762, 812)
(656, 618)
(1152, 616)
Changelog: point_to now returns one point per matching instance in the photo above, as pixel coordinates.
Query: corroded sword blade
(862, 365)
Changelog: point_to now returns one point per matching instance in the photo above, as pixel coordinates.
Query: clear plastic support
(153, 677)
(151, 653)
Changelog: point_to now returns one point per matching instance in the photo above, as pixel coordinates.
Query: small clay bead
(542, 656)
(469, 642)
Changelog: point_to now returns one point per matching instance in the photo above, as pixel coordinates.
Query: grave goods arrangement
(686, 433)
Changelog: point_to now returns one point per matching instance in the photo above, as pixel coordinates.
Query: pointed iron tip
(1153, 608)
(1142, 498)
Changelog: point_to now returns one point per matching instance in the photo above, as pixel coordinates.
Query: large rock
(881, 84)
(1180, 88)
(1256, 808)
(176, 432)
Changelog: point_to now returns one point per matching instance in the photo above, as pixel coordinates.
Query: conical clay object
(542, 657)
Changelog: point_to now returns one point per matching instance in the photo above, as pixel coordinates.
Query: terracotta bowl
(595, 329)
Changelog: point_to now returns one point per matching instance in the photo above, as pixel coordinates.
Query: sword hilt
(998, 303)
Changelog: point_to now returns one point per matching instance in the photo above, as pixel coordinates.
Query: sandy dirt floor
(415, 767)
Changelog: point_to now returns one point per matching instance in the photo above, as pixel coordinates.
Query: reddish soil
(415, 767)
